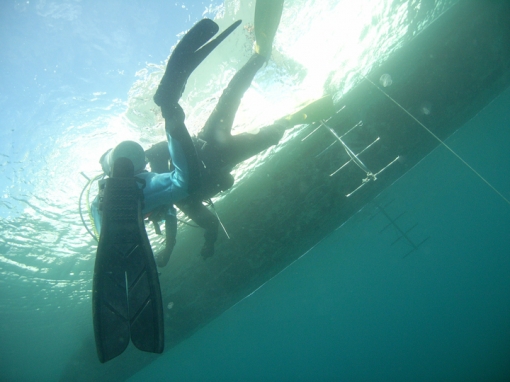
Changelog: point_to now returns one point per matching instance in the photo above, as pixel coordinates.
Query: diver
(126, 295)
(219, 151)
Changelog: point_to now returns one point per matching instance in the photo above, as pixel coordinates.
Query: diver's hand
(162, 257)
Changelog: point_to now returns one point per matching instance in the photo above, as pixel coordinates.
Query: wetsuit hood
(126, 149)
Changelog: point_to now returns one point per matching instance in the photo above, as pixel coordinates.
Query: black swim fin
(126, 296)
(187, 55)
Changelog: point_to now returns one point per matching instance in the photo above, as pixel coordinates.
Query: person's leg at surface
(244, 146)
(218, 126)
(217, 129)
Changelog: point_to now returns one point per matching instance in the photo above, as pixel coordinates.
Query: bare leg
(244, 146)
(219, 125)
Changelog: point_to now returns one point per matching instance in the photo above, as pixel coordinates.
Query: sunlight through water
(46, 255)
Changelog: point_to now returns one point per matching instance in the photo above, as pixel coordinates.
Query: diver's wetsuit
(220, 151)
(162, 190)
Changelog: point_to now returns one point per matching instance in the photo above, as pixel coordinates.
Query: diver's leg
(200, 214)
(218, 126)
(182, 150)
(267, 19)
(245, 145)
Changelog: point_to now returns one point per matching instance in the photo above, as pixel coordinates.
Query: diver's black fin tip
(193, 48)
(206, 49)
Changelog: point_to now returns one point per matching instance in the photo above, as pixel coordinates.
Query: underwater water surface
(78, 77)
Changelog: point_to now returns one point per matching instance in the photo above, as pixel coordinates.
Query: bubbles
(426, 108)
(385, 80)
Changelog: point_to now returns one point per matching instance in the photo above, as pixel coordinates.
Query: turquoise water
(357, 307)
(78, 77)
